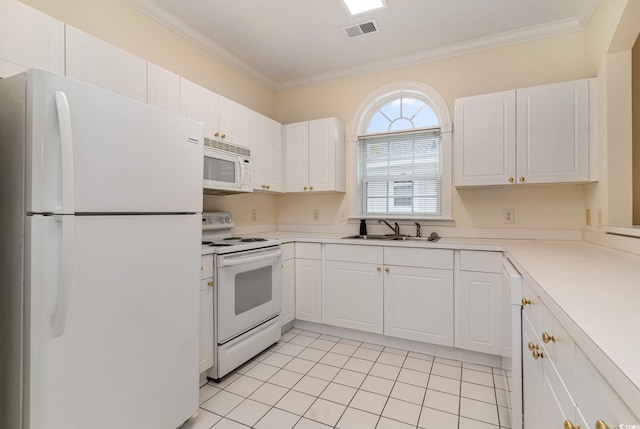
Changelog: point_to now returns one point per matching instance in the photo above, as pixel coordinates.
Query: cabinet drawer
(481, 261)
(422, 258)
(354, 253)
(560, 347)
(288, 251)
(206, 268)
(308, 250)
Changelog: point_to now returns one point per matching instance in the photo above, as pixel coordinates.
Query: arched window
(404, 140)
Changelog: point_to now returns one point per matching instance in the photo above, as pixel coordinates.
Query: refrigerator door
(127, 352)
(93, 151)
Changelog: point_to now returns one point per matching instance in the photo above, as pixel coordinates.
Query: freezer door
(127, 352)
(93, 151)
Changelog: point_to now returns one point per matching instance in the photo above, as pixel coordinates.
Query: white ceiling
(294, 43)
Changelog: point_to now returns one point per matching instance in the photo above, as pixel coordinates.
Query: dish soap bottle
(363, 227)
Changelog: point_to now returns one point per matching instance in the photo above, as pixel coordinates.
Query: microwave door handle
(241, 178)
(231, 261)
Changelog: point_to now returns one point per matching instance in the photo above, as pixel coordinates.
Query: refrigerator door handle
(66, 142)
(67, 252)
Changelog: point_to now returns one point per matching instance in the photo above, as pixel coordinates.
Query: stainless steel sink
(392, 237)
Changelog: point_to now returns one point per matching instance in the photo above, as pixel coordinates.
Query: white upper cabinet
(541, 134)
(314, 154)
(265, 141)
(29, 39)
(163, 88)
(224, 120)
(94, 61)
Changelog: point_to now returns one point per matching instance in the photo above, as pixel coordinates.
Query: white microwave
(227, 168)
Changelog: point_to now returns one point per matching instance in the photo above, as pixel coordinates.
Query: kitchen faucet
(396, 229)
(418, 232)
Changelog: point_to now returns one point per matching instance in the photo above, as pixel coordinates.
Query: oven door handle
(229, 261)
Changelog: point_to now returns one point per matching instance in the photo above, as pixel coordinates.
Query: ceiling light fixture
(356, 7)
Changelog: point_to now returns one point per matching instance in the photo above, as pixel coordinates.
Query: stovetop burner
(205, 243)
(252, 240)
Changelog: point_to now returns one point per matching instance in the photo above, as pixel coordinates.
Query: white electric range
(246, 298)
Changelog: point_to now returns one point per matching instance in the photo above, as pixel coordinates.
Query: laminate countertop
(592, 290)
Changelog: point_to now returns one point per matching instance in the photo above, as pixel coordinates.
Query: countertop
(592, 290)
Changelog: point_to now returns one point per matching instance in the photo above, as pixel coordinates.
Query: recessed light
(356, 7)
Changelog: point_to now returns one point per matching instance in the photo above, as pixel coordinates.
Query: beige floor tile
(305, 423)
(334, 359)
(391, 359)
(311, 385)
(338, 393)
(442, 401)
(368, 401)
(386, 423)
(402, 411)
(417, 364)
(435, 419)
(408, 392)
(381, 386)
(263, 371)
(477, 377)
(248, 412)
(268, 394)
(285, 378)
(222, 403)
(385, 371)
(313, 355)
(296, 402)
(244, 386)
(444, 384)
(323, 371)
(416, 378)
(359, 365)
(277, 419)
(349, 378)
(357, 419)
(478, 410)
(300, 366)
(204, 420)
(326, 412)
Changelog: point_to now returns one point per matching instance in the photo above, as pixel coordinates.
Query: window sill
(407, 220)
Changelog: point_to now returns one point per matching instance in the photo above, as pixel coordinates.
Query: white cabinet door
(273, 136)
(532, 379)
(296, 157)
(163, 88)
(308, 293)
(553, 133)
(94, 61)
(29, 39)
(288, 311)
(232, 122)
(485, 139)
(206, 324)
(354, 296)
(199, 104)
(480, 307)
(325, 144)
(418, 304)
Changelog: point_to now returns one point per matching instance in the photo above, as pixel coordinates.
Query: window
(403, 158)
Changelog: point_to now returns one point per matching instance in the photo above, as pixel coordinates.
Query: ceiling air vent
(361, 29)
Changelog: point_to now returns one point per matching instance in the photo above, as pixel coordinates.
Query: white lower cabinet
(308, 274)
(206, 313)
(288, 285)
(418, 304)
(354, 296)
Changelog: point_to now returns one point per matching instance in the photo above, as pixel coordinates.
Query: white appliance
(246, 296)
(227, 168)
(512, 281)
(100, 225)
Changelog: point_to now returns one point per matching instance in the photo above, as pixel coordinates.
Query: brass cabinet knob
(525, 301)
(264, 186)
(210, 283)
(569, 425)
(521, 178)
(216, 134)
(281, 265)
(387, 269)
(536, 354)
(546, 338)
(305, 188)
(268, 187)
(601, 425)
(224, 136)
(532, 346)
(511, 180)
(311, 188)
(379, 269)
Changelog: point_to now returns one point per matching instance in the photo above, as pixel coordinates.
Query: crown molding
(555, 28)
(169, 20)
(587, 11)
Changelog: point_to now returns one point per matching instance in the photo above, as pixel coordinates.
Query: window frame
(367, 109)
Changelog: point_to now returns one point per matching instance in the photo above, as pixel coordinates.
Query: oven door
(247, 290)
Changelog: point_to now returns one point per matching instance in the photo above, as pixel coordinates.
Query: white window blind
(401, 174)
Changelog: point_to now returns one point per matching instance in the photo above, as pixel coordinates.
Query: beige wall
(527, 64)
(635, 71)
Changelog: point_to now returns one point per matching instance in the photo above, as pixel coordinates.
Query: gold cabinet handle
(386, 269)
(305, 188)
(532, 346)
(268, 187)
(601, 425)
(521, 179)
(536, 354)
(511, 180)
(546, 338)
(216, 134)
(569, 425)
(525, 302)
(379, 269)
(264, 186)
(210, 283)
(311, 188)
(224, 136)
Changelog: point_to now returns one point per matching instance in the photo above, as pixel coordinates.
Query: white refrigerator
(100, 230)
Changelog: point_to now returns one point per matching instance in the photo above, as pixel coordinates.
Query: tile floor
(313, 381)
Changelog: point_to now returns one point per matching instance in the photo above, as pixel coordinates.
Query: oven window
(253, 288)
(219, 170)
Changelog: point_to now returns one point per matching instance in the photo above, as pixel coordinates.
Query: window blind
(400, 174)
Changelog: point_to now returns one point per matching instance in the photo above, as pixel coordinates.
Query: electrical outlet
(508, 215)
(316, 215)
(588, 216)
(254, 215)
